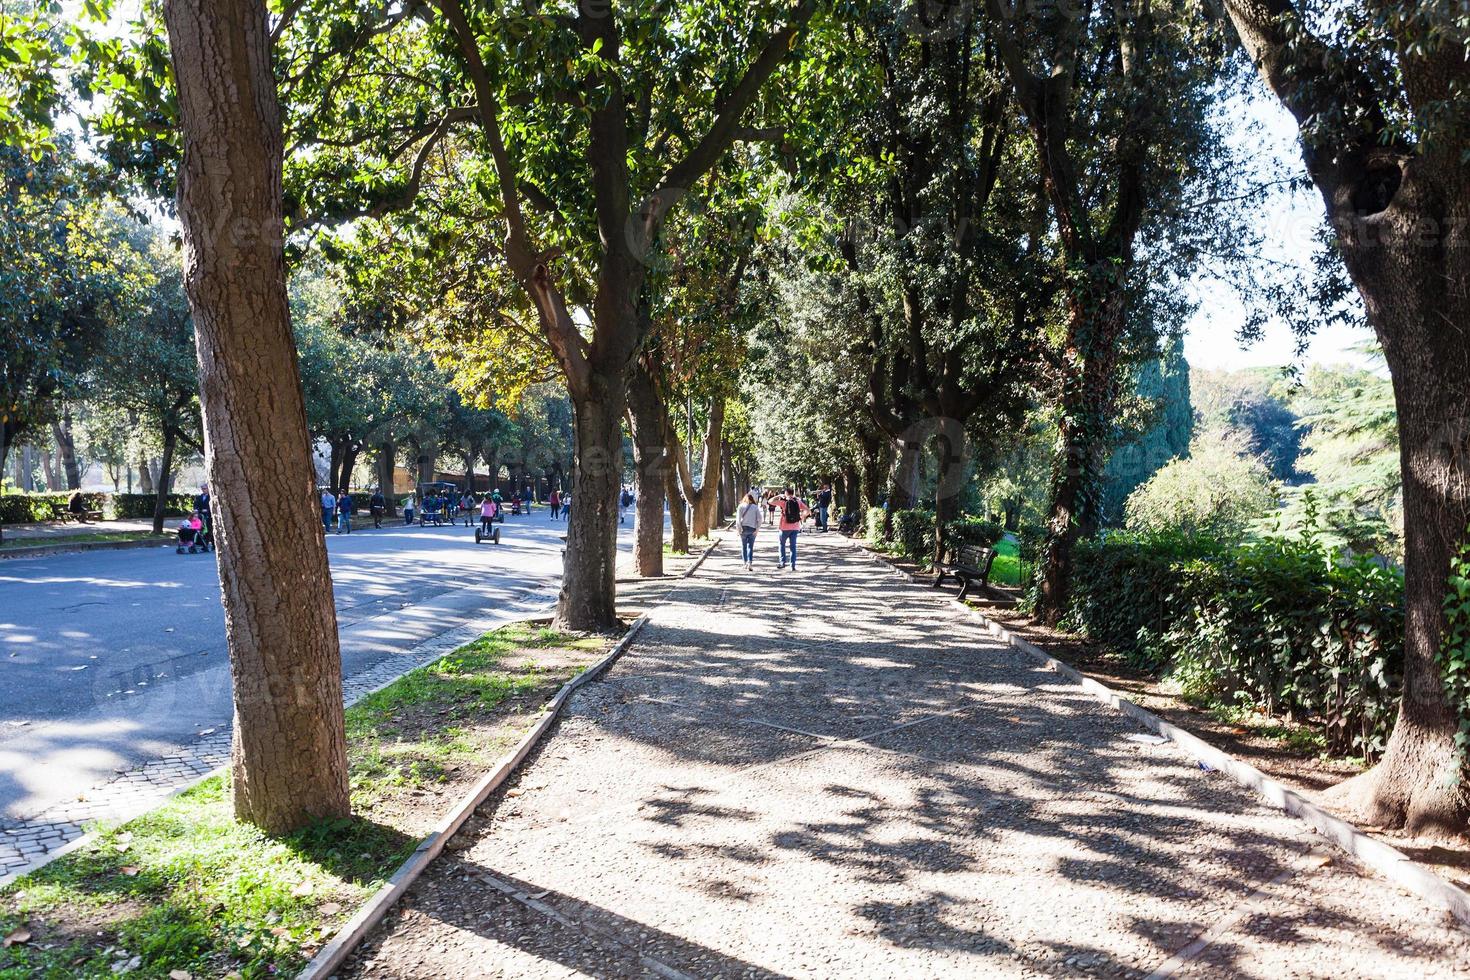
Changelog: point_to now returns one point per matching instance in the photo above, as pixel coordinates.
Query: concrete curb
(1388, 861)
(41, 550)
(372, 913)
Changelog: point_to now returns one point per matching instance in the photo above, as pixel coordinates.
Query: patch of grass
(1006, 569)
(187, 888)
(89, 538)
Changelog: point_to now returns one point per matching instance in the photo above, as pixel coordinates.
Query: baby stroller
(194, 537)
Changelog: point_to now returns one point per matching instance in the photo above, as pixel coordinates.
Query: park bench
(972, 564)
(85, 517)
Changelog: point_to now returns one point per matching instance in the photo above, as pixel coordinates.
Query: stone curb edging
(41, 550)
(1388, 861)
(367, 918)
(714, 543)
(91, 836)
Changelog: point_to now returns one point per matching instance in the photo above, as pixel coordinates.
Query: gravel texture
(834, 774)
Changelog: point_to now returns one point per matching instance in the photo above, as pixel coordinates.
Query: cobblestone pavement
(833, 774)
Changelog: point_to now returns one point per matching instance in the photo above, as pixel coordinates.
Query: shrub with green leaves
(1220, 490)
(1454, 651)
(25, 508)
(913, 533)
(968, 529)
(1287, 626)
(875, 526)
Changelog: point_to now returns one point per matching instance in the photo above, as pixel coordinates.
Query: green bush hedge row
(1285, 626)
(913, 532)
(25, 508)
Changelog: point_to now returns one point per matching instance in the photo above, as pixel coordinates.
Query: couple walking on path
(791, 510)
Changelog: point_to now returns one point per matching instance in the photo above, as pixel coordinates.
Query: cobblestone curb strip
(34, 843)
(357, 928)
(1388, 861)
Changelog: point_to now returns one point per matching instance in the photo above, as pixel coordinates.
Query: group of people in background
(559, 503)
(788, 511)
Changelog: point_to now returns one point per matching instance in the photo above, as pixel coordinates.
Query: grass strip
(185, 891)
(63, 540)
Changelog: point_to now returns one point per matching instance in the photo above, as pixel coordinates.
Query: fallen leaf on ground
(302, 888)
(131, 870)
(331, 908)
(121, 848)
(281, 932)
(514, 792)
(207, 731)
(21, 935)
(180, 975)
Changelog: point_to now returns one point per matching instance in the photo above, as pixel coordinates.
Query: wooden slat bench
(972, 564)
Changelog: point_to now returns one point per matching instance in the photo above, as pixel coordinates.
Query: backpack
(792, 511)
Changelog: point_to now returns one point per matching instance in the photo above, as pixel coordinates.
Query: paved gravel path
(834, 774)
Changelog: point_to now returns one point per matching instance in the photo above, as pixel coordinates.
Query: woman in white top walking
(749, 521)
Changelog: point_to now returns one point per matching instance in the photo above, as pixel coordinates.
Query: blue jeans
(747, 544)
(344, 520)
(326, 519)
(822, 517)
(789, 536)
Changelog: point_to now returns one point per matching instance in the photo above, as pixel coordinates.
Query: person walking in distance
(748, 519)
(554, 501)
(824, 505)
(791, 509)
(344, 511)
(377, 504)
(329, 509)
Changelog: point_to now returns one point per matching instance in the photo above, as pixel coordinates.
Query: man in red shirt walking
(792, 510)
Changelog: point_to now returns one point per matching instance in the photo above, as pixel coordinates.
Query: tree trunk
(703, 501)
(946, 509)
(648, 420)
(288, 755)
(48, 466)
(165, 477)
(66, 445)
(1089, 396)
(145, 476)
(1417, 295)
(678, 524)
(469, 469)
(386, 457)
(349, 464)
(588, 598)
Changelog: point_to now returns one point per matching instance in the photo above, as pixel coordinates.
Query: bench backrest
(977, 557)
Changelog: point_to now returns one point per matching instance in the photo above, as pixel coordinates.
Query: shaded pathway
(835, 774)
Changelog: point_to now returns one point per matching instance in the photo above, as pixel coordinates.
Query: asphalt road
(111, 658)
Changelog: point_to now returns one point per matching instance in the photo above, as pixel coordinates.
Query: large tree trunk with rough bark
(1402, 217)
(1411, 263)
(648, 420)
(288, 755)
(589, 582)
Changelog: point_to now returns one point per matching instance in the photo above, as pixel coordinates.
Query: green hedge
(913, 533)
(140, 505)
(26, 508)
(972, 530)
(874, 528)
(1285, 626)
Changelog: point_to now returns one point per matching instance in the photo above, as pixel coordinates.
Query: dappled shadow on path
(835, 774)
